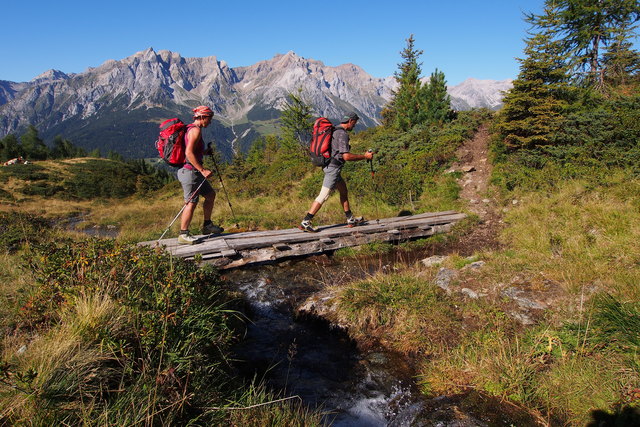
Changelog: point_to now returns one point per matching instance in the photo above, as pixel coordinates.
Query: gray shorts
(331, 176)
(190, 180)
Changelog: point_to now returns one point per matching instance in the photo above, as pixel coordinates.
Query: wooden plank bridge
(229, 250)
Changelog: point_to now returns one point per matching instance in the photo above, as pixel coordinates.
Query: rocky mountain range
(474, 93)
(118, 105)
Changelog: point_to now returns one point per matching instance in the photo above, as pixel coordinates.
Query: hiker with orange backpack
(339, 154)
(193, 177)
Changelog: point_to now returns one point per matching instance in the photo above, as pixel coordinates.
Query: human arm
(351, 157)
(340, 142)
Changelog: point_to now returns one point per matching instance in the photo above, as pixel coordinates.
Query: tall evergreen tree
(32, 146)
(95, 153)
(435, 99)
(413, 102)
(297, 120)
(533, 108)
(9, 148)
(404, 110)
(64, 149)
(114, 155)
(621, 62)
(583, 28)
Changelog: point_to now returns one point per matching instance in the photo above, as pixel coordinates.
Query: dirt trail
(473, 162)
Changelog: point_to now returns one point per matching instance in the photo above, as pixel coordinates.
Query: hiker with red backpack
(337, 154)
(193, 177)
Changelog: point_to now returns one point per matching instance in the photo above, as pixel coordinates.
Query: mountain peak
(290, 54)
(148, 82)
(476, 93)
(49, 76)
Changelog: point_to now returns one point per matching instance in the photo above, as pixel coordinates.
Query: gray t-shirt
(339, 144)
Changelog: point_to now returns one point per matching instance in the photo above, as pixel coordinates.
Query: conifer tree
(414, 103)
(583, 28)
(296, 120)
(533, 108)
(9, 148)
(404, 110)
(32, 146)
(95, 153)
(621, 62)
(436, 102)
(64, 149)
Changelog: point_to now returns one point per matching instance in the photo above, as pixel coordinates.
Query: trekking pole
(215, 165)
(375, 187)
(191, 196)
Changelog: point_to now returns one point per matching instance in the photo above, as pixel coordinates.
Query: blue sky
(462, 38)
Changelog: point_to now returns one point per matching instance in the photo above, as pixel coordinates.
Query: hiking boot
(305, 225)
(187, 239)
(353, 221)
(211, 229)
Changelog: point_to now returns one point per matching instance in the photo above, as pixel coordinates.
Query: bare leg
(315, 207)
(207, 206)
(344, 196)
(187, 215)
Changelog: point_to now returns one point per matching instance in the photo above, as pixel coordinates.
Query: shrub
(18, 229)
(169, 338)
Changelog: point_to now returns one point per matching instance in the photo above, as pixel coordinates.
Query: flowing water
(300, 356)
(78, 224)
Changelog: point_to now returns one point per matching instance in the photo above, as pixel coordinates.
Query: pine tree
(9, 148)
(533, 108)
(64, 149)
(436, 102)
(32, 146)
(583, 28)
(115, 156)
(95, 153)
(404, 110)
(414, 103)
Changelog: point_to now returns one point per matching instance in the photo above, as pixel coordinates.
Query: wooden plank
(309, 248)
(277, 235)
(236, 249)
(332, 232)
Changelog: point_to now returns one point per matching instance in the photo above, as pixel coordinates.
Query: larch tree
(621, 62)
(297, 120)
(583, 28)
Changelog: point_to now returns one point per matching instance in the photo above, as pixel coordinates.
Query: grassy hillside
(569, 220)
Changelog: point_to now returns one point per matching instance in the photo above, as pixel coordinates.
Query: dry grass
(582, 239)
(13, 278)
(405, 313)
(66, 364)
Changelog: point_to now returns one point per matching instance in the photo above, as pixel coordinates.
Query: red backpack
(170, 143)
(320, 146)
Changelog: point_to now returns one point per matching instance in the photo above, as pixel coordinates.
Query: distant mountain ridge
(117, 105)
(474, 93)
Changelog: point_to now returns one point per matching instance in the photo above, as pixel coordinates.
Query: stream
(307, 357)
(79, 224)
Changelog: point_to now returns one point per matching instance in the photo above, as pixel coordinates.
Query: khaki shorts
(190, 180)
(331, 176)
